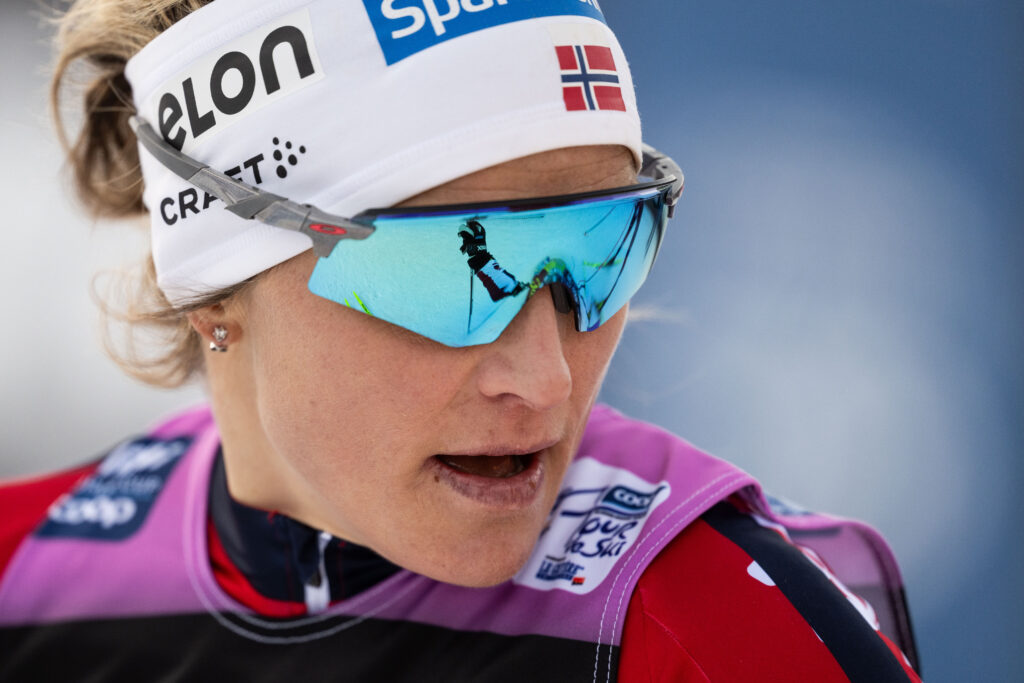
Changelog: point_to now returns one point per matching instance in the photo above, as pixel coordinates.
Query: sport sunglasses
(459, 274)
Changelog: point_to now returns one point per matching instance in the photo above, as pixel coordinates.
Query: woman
(402, 474)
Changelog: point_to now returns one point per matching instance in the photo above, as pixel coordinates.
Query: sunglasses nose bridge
(554, 275)
(564, 302)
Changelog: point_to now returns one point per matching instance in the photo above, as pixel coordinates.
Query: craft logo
(188, 202)
(589, 78)
(248, 73)
(114, 502)
(405, 27)
(597, 518)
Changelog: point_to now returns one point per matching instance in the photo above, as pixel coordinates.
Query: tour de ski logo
(253, 171)
(597, 517)
(113, 503)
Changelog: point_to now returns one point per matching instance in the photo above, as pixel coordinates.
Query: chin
(488, 560)
(483, 575)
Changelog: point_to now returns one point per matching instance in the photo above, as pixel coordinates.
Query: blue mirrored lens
(460, 278)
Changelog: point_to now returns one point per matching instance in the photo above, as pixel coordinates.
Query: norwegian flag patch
(589, 78)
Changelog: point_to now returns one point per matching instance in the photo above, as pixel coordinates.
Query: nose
(527, 363)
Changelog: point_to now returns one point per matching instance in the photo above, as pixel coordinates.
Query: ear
(216, 326)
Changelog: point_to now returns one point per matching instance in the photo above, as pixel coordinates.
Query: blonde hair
(94, 41)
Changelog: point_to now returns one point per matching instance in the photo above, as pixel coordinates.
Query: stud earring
(219, 335)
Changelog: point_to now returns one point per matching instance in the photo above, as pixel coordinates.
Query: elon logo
(246, 74)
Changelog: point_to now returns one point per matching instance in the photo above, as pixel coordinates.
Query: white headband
(357, 104)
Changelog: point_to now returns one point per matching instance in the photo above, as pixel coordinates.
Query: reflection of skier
(499, 282)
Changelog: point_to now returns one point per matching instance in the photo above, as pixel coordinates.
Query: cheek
(589, 353)
(336, 386)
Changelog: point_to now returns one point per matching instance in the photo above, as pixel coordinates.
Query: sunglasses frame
(326, 229)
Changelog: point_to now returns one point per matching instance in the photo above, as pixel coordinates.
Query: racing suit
(658, 563)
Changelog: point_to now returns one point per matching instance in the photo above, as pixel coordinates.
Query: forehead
(554, 172)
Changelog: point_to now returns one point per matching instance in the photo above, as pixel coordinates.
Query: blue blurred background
(842, 293)
(837, 308)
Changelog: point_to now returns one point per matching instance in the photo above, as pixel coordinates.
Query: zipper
(318, 588)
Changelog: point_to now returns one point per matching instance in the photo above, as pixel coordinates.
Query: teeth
(495, 466)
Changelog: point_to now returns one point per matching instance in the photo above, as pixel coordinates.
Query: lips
(509, 480)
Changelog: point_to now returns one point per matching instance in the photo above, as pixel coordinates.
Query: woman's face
(446, 461)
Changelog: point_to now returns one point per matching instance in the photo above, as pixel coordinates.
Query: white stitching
(668, 517)
(671, 531)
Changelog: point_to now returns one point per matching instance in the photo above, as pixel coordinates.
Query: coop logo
(405, 27)
(248, 73)
(102, 510)
(114, 502)
(622, 501)
(597, 518)
(607, 529)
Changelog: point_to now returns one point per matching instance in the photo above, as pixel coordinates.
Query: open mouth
(505, 481)
(491, 466)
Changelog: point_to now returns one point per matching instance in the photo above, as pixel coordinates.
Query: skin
(332, 417)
